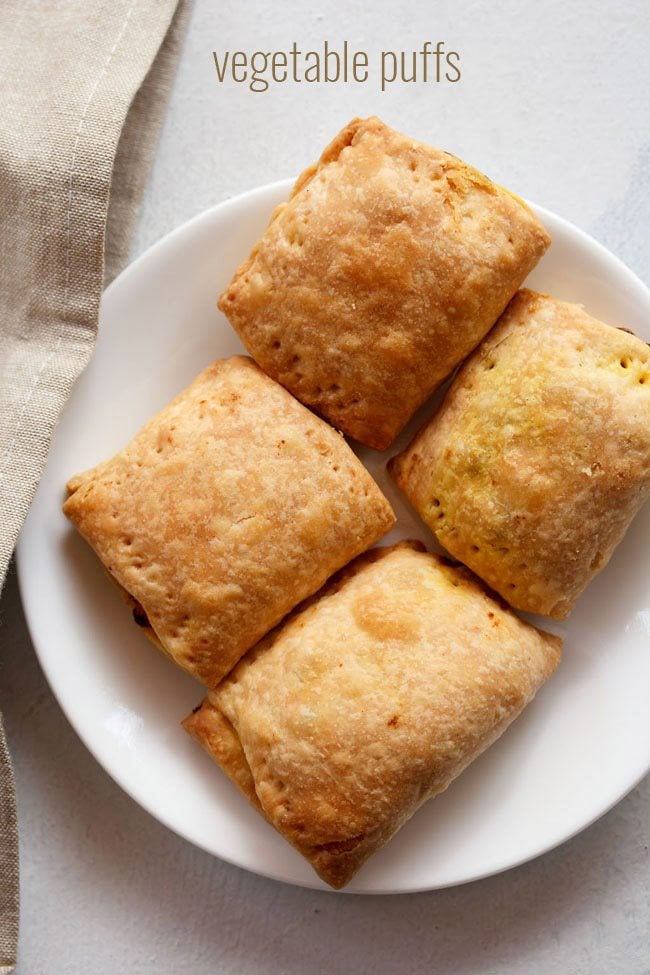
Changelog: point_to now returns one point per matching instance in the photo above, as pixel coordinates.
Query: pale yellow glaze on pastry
(539, 457)
(386, 267)
(225, 511)
(370, 700)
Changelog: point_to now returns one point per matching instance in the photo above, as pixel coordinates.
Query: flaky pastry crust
(369, 700)
(539, 458)
(226, 510)
(388, 264)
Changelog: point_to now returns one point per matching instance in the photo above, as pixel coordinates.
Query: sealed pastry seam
(539, 457)
(370, 699)
(226, 510)
(386, 266)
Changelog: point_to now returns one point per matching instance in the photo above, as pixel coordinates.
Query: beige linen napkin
(83, 85)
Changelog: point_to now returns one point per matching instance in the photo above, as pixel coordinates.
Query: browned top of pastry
(386, 267)
(227, 509)
(369, 701)
(539, 457)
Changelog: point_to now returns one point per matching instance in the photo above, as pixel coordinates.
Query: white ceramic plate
(581, 745)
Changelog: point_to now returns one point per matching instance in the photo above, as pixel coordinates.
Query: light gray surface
(553, 103)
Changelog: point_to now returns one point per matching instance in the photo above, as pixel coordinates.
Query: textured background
(553, 103)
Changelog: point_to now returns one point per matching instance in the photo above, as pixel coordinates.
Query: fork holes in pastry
(435, 502)
(335, 388)
(625, 361)
(642, 380)
(490, 365)
(277, 344)
(475, 548)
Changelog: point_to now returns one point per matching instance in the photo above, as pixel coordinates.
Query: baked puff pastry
(387, 266)
(369, 700)
(539, 457)
(226, 510)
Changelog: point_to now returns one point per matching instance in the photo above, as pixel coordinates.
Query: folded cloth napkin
(83, 85)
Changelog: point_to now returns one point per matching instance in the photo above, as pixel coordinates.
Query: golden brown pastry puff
(389, 263)
(370, 700)
(539, 457)
(226, 510)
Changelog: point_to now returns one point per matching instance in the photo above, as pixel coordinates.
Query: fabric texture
(83, 86)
